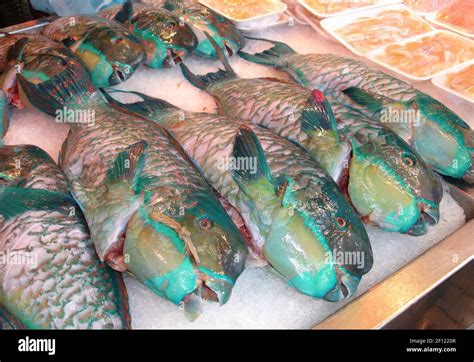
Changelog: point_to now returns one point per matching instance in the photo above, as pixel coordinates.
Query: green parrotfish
(439, 136)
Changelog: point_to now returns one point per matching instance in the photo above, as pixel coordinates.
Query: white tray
(372, 55)
(440, 80)
(347, 11)
(257, 22)
(332, 24)
(431, 17)
(426, 13)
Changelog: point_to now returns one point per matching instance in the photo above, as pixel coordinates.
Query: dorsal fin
(15, 52)
(270, 56)
(204, 81)
(126, 12)
(247, 148)
(148, 107)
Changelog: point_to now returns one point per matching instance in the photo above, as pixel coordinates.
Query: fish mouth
(345, 287)
(209, 289)
(429, 215)
(228, 49)
(216, 290)
(119, 75)
(174, 57)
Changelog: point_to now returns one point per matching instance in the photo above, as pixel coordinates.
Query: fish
(439, 136)
(50, 274)
(149, 210)
(204, 20)
(109, 51)
(370, 161)
(167, 39)
(16, 50)
(300, 222)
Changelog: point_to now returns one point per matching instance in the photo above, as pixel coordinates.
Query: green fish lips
(168, 45)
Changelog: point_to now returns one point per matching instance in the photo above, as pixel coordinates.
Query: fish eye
(409, 160)
(171, 25)
(341, 222)
(117, 40)
(205, 223)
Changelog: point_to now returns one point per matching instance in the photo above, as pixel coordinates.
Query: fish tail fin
(204, 81)
(71, 87)
(125, 13)
(4, 116)
(147, 107)
(270, 56)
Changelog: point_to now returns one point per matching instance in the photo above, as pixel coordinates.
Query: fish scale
(323, 71)
(254, 100)
(368, 161)
(440, 137)
(211, 141)
(149, 210)
(63, 270)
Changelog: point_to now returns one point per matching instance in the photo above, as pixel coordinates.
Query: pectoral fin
(373, 102)
(318, 115)
(129, 165)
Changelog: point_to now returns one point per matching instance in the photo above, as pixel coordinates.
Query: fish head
(203, 20)
(389, 183)
(166, 39)
(442, 138)
(111, 55)
(185, 252)
(219, 247)
(317, 240)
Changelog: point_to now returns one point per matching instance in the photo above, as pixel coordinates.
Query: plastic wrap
(388, 26)
(426, 56)
(459, 15)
